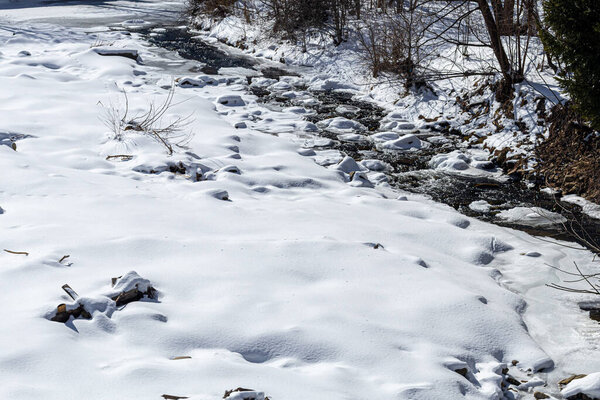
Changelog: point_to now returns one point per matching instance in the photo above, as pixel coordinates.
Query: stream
(408, 170)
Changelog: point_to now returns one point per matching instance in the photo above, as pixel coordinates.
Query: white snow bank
(302, 285)
(589, 386)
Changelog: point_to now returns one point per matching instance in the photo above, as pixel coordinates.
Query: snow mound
(589, 386)
(384, 136)
(406, 142)
(348, 165)
(341, 125)
(531, 216)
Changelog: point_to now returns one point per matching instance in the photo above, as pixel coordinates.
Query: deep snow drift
(271, 271)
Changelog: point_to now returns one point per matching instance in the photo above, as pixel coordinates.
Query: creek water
(407, 170)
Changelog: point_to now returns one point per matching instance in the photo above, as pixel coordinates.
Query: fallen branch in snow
(581, 277)
(126, 289)
(17, 252)
(72, 294)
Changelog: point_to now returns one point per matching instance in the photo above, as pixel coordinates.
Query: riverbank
(272, 271)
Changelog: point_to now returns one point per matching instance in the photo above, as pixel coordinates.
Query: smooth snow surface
(274, 273)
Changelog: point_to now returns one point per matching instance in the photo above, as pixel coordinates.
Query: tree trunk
(495, 41)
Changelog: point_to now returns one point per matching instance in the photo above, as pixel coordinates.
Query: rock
(512, 380)
(540, 395)
(126, 289)
(585, 388)
(360, 179)
(462, 371)
(231, 100)
(570, 379)
(127, 53)
(210, 70)
(63, 314)
(593, 308)
(244, 394)
(219, 194)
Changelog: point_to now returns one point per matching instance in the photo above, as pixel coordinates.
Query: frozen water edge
(300, 286)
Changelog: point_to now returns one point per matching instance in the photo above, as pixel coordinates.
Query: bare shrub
(151, 123)
(211, 8)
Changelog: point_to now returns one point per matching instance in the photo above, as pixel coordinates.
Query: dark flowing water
(410, 170)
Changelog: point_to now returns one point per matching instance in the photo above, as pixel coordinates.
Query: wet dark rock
(593, 308)
(407, 170)
(63, 314)
(210, 70)
(276, 73)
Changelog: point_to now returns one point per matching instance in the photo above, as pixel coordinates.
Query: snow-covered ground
(273, 272)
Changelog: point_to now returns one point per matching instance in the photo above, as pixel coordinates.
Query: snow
(531, 216)
(587, 207)
(589, 386)
(341, 125)
(405, 142)
(474, 164)
(480, 206)
(274, 273)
